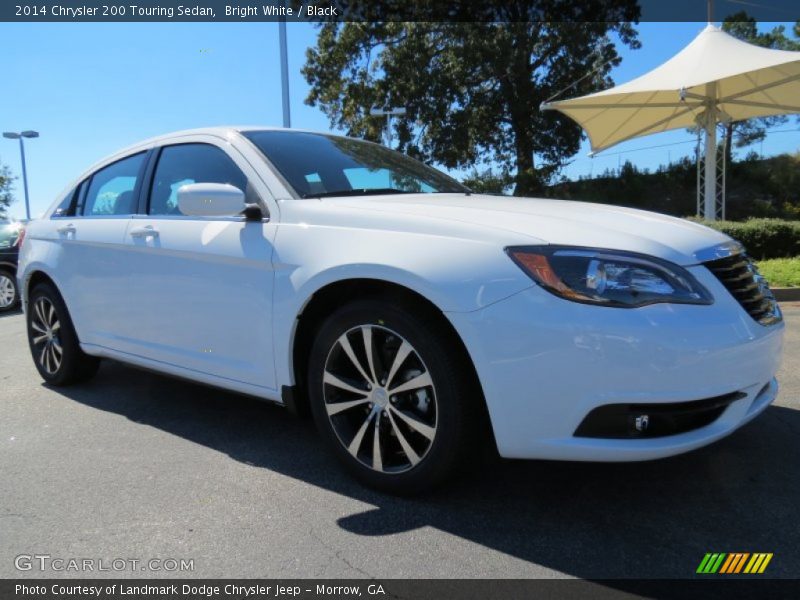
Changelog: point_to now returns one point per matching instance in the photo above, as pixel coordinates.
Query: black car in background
(11, 234)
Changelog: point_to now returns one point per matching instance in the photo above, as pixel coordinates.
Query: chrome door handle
(66, 228)
(143, 232)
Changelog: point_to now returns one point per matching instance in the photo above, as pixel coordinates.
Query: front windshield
(317, 165)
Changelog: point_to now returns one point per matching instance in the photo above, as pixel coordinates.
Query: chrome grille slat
(738, 266)
(744, 290)
(749, 300)
(740, 277)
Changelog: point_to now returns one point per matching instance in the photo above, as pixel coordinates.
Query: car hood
(538, 221)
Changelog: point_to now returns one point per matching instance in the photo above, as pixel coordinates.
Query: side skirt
(162, 368)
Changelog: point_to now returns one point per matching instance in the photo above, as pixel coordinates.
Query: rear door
(90, 249)
(201, 287)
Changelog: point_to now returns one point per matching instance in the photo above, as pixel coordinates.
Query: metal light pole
(388, 113)
(20, 136)
(287, 119)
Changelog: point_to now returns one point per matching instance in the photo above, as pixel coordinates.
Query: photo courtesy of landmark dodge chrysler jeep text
(410, 315)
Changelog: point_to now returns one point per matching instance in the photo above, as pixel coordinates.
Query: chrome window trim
(207, 219)
(121, 216)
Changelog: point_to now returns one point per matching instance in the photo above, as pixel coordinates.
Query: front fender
(289, 301)
(321, 245)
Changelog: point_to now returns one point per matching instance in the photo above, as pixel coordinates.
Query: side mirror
(210, 200)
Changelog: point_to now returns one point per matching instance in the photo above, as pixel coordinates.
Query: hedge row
(763, 238)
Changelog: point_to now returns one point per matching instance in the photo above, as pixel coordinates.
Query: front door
(201, 287)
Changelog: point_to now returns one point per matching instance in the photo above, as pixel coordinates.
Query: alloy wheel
(380, 399)
(46, 338)
(8, 293)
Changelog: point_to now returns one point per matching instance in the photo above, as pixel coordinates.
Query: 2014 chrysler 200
(409, 315)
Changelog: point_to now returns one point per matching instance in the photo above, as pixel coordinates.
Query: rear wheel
(9, 295)
(387, 391)
(53, 342)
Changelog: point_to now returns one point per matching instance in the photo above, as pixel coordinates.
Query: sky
(91, 89)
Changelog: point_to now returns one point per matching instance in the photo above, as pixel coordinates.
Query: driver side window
(192, 163)
(112, 189)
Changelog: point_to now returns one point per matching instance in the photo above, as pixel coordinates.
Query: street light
(388, 112)
(20, 136)
(287, 119)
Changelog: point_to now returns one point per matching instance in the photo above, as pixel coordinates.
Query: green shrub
(763, 238)
(781, 272)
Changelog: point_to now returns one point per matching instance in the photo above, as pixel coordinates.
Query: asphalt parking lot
(135, 465)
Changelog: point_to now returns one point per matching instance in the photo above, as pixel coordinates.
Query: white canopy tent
(717, 78)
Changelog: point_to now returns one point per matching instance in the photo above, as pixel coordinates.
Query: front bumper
(545, 363)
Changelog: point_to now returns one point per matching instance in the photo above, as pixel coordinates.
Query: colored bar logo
(734, 563)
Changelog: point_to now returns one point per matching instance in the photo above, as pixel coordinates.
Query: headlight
(608, 277)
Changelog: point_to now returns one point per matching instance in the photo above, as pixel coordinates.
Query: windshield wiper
(357, 192)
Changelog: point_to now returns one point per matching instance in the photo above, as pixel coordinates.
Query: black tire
(73, 365)
(11, 279)
(457, 401)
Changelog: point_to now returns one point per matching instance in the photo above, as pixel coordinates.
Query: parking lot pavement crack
(17, 516)
(338, 554)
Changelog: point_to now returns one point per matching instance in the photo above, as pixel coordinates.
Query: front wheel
(53, 342)
(388, 391)
(9, 295)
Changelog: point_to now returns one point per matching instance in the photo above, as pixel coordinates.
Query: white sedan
(415, 319)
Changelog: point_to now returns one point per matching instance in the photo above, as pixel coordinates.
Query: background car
(11, 234)
(414, 318)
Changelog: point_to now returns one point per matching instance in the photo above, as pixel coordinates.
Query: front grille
(741, 278)
(626, 421)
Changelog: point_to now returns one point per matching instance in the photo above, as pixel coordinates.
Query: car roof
(219, 131)
(223, 132)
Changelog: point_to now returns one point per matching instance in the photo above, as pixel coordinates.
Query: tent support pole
(710, 178)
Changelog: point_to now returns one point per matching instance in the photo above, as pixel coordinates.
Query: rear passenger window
(71, 204)
(192, 163)
(67, 205)
(111, 189)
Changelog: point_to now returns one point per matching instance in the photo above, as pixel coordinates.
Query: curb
(786, 294)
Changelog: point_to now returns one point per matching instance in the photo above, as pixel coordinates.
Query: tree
(6, 181)
(740, 134)
(487, 182)
(472, 90)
